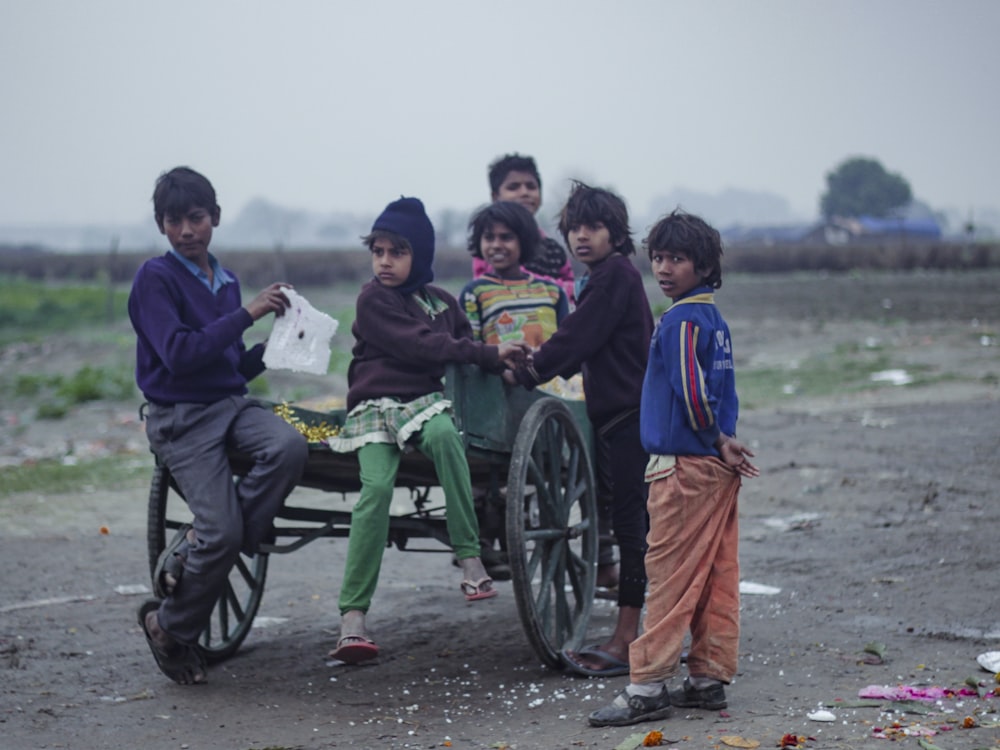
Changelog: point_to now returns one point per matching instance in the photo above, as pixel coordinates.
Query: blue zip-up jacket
(689, 391)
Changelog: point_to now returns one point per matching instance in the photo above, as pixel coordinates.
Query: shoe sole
(704, 706)
(660, 713)
(701, 704)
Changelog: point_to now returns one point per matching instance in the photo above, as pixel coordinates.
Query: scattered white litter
(821, 715)
(300, 339)
(990, 661)
(132, 589)
(895, 377)
(748, 587)
(46, 602)
(796, 521)
(267, 622)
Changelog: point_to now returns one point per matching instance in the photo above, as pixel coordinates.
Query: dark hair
(504, 165)
(512, 215)
(180, 190)
(693, 238)
(398, 241)
(590, 206)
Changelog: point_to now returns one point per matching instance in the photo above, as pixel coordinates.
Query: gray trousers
(192, 440)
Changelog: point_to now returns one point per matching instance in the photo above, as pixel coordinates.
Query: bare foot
(352, 625)
(607, 576)
(473, 569)
(180, 663)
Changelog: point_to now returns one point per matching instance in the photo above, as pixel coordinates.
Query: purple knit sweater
(189, 344)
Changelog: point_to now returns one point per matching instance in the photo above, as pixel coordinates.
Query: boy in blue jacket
(687, 422)
(192, 367)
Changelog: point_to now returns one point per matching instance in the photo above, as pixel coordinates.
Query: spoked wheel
(552, 529)
(233, 614)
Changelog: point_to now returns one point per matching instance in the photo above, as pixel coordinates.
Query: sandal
(476, 590)
(354, 649)
(181, 663)
(170, 563)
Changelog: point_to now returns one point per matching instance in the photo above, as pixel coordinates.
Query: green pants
(438, 440)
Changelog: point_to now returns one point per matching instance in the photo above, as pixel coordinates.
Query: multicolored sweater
(551, 262)
(508, 310)
(689, 392)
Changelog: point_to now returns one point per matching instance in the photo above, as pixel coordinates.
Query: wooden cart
(534, 448)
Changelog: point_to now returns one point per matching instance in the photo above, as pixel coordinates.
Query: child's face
(674, 272)
(502, 250)
(390, 264)
(520, 187)
(590, 243)
(190, 233)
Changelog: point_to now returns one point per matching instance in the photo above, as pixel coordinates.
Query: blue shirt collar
(219, 276)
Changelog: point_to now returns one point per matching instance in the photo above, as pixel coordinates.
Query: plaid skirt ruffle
(386, 420)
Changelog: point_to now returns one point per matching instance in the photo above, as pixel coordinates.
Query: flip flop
(170, 563)
(354, 649)
(615, 667)
(474, 590)
(181, 663)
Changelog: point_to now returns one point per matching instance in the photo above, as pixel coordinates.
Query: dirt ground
(874, 522)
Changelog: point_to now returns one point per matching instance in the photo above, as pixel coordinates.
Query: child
(405, 332)
(688, 423)
(515, 178)
(607, 337)
(507, 304)
(192, 367)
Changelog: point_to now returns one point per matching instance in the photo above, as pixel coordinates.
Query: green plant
(259, 387)
(52, 410)
(53, 476)
(44, 308)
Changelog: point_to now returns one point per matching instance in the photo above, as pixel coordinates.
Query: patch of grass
(52, 476)
(59, 393)
(43, 308)
(26, 386)
(847, 369)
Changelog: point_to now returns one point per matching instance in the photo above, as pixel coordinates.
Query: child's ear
(159, 225)
(216, 215)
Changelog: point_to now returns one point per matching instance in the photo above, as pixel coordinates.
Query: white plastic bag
(300, 339)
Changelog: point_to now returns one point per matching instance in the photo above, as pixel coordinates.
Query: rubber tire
(552, 529)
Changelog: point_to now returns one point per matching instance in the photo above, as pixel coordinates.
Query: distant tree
(862, 187)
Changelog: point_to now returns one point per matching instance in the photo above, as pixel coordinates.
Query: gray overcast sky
(327, 105)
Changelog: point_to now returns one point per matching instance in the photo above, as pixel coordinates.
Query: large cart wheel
(552, 529)
(233, 614)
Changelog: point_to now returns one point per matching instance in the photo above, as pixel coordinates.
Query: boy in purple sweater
(192, 367)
